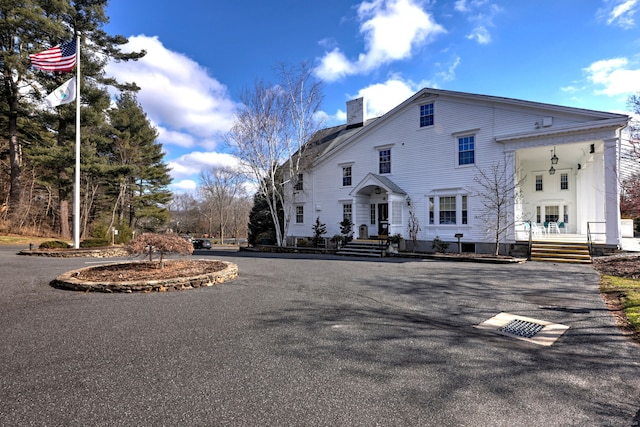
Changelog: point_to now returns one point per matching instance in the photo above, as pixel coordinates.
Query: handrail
(530, 241)
(589, 233)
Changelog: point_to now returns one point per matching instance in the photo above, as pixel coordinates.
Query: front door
(383, 219)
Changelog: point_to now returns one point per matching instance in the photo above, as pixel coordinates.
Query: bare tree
(499, 192)
(413, 227)
(184, 213)
(634, 129)
(270, 136)
(221, 187)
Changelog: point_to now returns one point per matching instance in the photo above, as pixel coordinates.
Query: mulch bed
(146, 270)
(627, 266)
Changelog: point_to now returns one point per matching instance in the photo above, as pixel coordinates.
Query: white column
(611, 192)
(511, 173)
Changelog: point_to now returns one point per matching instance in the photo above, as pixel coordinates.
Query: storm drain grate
(522, 328)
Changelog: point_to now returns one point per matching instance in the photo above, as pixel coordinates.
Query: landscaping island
(144, 276)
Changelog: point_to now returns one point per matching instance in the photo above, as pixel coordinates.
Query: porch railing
(590, 233)
(527, 232)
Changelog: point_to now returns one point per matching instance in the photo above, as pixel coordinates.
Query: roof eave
(613, 123)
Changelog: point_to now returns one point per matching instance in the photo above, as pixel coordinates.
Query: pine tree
(142, 177)
(261, 226)
(319, 229)
(34, 25)
(24, 26)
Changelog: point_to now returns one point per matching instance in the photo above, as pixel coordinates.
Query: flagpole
(76, 201)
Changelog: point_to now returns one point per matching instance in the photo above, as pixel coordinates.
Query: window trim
(432, 116)
(459, 139)
(566, 181)
(380, 150)
(299, 183)
(441, 217)
(344, 168)
(299, 214)
(459, 194)
(344, 213)
(535, 183)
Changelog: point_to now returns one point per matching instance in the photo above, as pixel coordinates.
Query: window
(431, 211)
(299, 183)
(385, 161)
(346, 176)
(347, 212)
(551, 213)
(466, 150)
(448, 210)
(538, 183)
(465, 215)
(299, 214)
(396, 213)
(372, 213)
(426, 115)
(566, 214)
(564, 181)
(538, 214)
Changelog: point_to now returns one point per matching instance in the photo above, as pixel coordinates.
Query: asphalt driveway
(314, 341)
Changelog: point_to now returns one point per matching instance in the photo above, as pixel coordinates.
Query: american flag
(60, 58)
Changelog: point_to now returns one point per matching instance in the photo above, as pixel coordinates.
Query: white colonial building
(425, 157)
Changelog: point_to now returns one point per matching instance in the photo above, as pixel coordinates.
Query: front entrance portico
(379, 204)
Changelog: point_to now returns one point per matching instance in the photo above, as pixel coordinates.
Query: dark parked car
(201, 244)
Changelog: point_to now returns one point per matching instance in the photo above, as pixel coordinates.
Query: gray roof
(390, 185)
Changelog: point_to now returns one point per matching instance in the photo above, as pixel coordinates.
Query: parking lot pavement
(314, 340)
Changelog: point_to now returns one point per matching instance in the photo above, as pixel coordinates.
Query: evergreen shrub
(54, 244)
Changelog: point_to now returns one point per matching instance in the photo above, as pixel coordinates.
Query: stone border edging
(69, 281)
(77, 253)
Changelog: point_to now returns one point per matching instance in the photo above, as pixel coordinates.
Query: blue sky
(202, 54)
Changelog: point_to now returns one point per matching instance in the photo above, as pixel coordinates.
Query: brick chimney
(355, 113)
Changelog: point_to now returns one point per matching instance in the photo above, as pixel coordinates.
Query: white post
(76, 199)
(612, 192)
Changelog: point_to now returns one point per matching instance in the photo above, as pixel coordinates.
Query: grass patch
(628, 292)
(13, 239)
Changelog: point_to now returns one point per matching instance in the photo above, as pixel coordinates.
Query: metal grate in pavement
(524, 328)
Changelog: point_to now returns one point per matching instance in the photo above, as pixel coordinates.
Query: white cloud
(569, 89)
(334, 66)
(450, 73)
(614, 76)
(329, 120)
(183, 186)
(619, 12)
(383, 97)
(177, 94)
(480, 13)
(392, 30)
(193, 163)
(481, 35)
(171, 137)
(467, 6)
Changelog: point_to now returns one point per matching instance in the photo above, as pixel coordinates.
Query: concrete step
(370, 248)
(561, 260)
(560, 252)
(363, 254)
